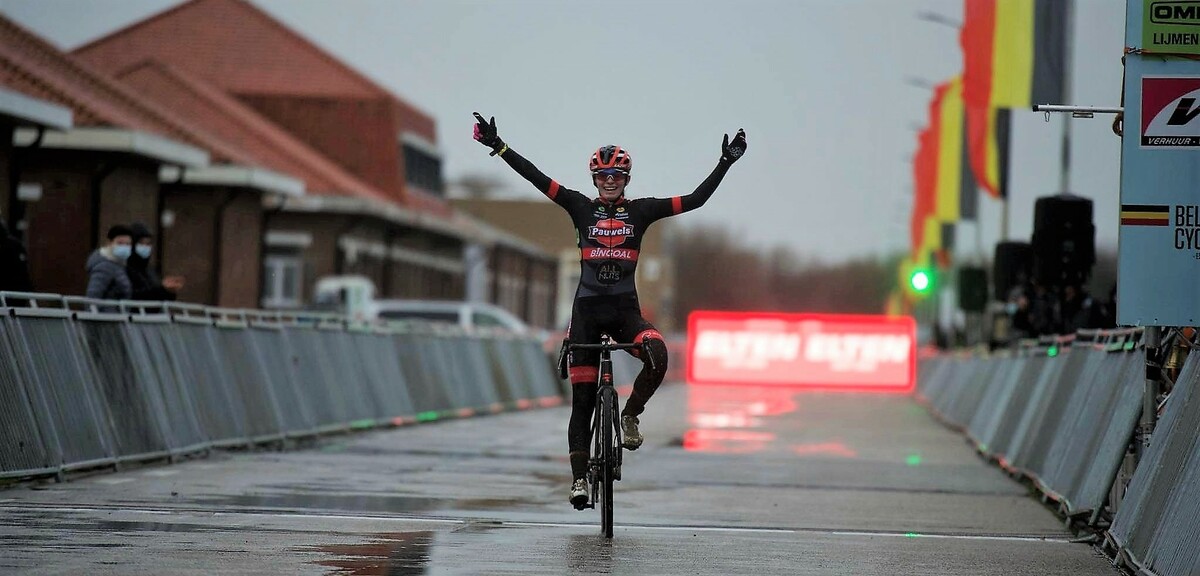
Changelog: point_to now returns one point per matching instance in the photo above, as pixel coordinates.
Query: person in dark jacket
(107, 278)
(14, 263)
(145, 281)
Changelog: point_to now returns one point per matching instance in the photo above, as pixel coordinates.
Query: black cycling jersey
(610, 234)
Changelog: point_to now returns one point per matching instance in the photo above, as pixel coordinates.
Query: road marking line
(804, 531)
(161, 473)
(530, 524)
(113, 481)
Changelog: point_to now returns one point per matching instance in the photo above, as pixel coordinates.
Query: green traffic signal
(920, 281)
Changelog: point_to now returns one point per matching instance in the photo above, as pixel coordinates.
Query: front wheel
(608, 460)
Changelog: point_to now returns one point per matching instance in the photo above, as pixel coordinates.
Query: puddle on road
(730, 420)
(127, 526)
(392, 554)
(360, 502)
(589, 554)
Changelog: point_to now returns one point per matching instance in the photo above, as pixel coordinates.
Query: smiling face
(610, 183)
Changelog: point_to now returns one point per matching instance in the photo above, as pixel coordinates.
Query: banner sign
(1171, 26)
(846, 352)
(1170, 109)
(1158, 261)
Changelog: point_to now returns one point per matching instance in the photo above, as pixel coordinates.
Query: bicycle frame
(605, 464)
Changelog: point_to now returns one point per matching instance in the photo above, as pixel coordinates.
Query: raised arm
(730, 152)
(485, 133)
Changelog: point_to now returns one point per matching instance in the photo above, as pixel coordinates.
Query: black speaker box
(1064, 240)
(1012, 265)
(972, 289)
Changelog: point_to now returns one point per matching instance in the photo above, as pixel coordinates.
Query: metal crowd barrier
(1156, 529)
(1063, 413)
(1060, 412)
(87, 383)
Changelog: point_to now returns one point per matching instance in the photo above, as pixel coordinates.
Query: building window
(282, 278)
(422, 170)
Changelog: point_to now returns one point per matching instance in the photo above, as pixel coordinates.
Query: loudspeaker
(1064, 240)
(972, 289)
(1012, 265)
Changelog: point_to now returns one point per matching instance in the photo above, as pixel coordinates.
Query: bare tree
(477, 186)
(717, 271)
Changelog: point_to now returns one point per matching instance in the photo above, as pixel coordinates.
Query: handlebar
(605, 346)
(609, 346)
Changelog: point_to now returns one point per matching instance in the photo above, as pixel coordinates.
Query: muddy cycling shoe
(579, 493)
(629, 430)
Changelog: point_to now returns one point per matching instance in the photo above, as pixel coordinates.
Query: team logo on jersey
(609, 273)
(610, 232)
(620, 209)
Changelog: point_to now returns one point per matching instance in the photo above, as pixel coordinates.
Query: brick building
(379, 155)
(269, 164)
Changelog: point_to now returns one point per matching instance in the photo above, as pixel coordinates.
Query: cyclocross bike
(605, 464)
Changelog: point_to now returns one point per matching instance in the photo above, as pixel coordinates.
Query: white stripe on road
(161, 473)
(529, 524)
(803, 531)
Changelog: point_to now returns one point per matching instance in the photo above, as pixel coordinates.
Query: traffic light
(921, 281)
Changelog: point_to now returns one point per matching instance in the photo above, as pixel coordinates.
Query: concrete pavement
(731, 481)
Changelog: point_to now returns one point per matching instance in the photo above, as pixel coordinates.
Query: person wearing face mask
(14, 263)
(145, 281)
(107, 278)
(609, 229)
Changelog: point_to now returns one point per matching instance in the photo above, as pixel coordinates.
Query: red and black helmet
(611, 157)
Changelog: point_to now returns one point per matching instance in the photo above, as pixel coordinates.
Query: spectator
(14, 263)
(144, 280)
(107, 278)
(1075, 310)
(1108, 310)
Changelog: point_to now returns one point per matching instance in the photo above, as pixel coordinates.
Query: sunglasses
(618, 175)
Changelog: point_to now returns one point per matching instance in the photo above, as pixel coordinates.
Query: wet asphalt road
(731, 481)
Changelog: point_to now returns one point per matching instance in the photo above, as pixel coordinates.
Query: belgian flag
(1014, 55)
(1145, 215)
(943, 187)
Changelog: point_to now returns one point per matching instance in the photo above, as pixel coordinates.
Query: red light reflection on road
(824, 449)
(726, 441)
(724, 418)
(738, 420)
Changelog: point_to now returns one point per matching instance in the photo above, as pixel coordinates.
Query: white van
(354, 296)
(465, 314)
(349, 295)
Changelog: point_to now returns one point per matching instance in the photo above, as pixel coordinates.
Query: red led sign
(828, 351)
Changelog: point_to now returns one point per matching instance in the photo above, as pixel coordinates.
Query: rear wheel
(608, 459)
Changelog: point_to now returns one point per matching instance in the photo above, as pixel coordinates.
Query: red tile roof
(233, 45)
(257, 140)
(427, 202)
(237, 48)
(30, 65)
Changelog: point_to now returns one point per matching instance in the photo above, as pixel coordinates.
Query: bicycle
(605, 464)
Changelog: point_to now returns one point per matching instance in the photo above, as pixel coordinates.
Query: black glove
(485, 133)
(731, 151)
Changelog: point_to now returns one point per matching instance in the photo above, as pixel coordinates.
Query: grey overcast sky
(821, 87)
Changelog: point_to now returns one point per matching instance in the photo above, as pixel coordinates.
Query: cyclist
(609, 229)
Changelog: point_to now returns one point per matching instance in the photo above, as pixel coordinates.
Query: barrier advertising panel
(840, 352)
(1158, 263)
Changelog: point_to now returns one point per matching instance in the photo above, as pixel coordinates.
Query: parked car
(465, 314)
(354, 296)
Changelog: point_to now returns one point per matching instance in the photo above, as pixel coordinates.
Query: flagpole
(1064, 183)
